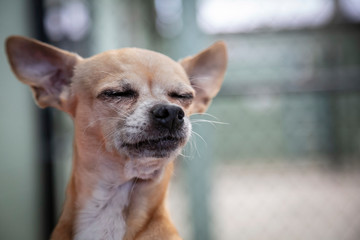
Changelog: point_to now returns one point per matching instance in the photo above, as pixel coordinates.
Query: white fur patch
(102, 217)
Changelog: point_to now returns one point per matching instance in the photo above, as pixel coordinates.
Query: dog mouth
(154, 144)
(154, 147)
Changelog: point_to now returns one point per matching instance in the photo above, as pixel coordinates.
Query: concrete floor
(276, 203)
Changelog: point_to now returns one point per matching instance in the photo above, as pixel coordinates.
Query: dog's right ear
(206, 72)
(46, 69)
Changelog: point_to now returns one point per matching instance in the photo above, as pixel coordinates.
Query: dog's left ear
(206, 72)
(46, 69)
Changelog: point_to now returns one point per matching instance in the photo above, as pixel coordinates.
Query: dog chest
(102, 216)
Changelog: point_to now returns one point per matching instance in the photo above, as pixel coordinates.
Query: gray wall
(19, 191)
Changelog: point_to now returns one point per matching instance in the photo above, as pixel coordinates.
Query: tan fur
(72, 84)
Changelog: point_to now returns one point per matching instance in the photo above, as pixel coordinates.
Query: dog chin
(148, 168)
(147, 160)
(154, 148)
(148, 173)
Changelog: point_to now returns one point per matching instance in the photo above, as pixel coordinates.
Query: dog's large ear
(46, 69)
(206, 72)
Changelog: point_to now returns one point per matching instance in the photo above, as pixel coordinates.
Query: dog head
(131, 102)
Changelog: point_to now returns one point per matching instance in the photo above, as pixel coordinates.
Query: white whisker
(204, 114)
(208, 121)
(196, 134)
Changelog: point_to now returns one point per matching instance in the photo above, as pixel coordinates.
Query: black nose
(168, 116)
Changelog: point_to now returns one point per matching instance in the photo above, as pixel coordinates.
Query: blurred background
(280, 159)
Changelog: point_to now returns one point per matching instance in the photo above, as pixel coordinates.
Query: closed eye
(183, 96)
(116, 94)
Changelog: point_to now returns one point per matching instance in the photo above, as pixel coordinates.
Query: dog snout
(168, 116)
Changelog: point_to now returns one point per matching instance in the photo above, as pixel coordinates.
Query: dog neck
(103, 214)
(102, 204)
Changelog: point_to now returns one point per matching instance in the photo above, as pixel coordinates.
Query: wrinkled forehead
(130, 66)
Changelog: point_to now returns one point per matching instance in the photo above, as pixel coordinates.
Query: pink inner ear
(46, 69)
(41, 66)
(32, 62)
(35, 70)
(206, 72)
(42, 73)
(210, 64)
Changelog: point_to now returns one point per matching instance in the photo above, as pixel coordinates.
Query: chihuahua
(130, 108)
